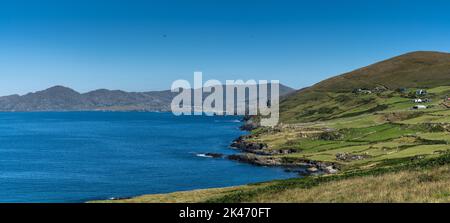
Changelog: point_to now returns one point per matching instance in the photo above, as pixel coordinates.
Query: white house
(419, 107)
(418, 100)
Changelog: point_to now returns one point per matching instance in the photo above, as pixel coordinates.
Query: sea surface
(82, 156)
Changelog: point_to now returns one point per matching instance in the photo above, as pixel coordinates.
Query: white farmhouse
(419, 107)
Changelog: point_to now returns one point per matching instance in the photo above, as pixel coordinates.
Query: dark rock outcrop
(256, 159)
(246, 146)
(214, 155)
(290, 163)
(347, 157)
(249, 124)
(259, 154)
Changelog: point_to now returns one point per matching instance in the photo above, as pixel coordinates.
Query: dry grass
(406, 186)
(423, 186)
(195, 196)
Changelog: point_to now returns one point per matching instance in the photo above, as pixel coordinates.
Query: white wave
(203, 155)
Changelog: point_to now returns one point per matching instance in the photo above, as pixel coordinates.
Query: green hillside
(333, 97)
(417, 69)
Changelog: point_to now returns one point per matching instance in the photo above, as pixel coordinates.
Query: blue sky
(145, 45)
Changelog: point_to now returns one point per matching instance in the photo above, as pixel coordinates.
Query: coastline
(148, 148)
(370, 148)
(258, 153)
(251, 153)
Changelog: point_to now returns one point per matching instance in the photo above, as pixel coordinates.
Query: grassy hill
(332, 98)
(384, 150)
(417, 69)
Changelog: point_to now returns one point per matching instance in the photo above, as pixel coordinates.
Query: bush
(331, 136)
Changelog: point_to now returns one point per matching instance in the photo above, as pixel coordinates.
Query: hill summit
(416, 69)
(331, 97)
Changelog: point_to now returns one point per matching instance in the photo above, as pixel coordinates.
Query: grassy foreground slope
(397, 181)
(385, 150)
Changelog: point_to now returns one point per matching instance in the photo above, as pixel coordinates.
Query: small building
(379, 89)
(421, 92)
(418, 100)
(402, 90)
(417, 107)
(362, 91)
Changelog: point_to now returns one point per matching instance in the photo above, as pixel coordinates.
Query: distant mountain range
(61, 98)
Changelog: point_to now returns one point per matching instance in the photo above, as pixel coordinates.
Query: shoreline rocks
(255, 159)
(244, 145)
(298, 164)
(214, 155)
(249, 124)
(257, 153)
(257, 148)
(211, 155)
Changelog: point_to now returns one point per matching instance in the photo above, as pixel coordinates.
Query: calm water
(81, 156)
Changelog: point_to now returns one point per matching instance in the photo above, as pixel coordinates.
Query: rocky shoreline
(259, 154)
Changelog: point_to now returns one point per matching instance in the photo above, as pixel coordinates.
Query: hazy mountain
(61, 98)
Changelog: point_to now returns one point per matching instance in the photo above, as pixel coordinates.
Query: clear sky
(145, 45)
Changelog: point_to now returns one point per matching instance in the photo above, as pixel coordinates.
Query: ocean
(73, 157)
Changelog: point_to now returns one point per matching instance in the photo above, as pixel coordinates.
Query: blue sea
(82, 156)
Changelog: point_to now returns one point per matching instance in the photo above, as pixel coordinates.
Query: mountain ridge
(61, 98)
(413, 65)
